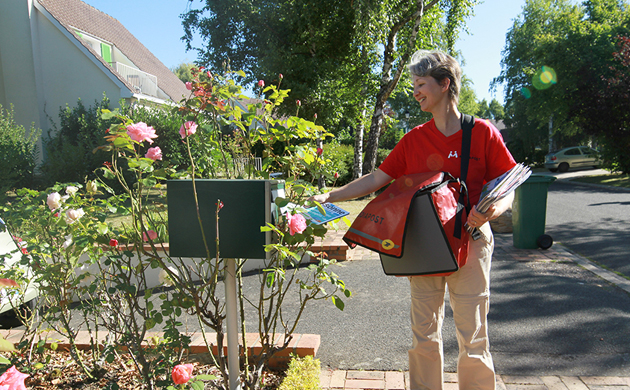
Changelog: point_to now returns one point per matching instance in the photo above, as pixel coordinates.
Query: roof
(77, 14)
(499, 124)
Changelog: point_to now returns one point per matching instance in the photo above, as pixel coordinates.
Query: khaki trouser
(469, 290)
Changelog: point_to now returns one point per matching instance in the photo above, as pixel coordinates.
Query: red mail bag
(414, 225)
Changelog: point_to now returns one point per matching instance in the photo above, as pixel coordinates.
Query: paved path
(398, 380)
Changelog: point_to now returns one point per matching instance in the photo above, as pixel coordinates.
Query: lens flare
(526, 92)
(544, 78)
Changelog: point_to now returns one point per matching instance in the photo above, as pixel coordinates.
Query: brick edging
(301, 344)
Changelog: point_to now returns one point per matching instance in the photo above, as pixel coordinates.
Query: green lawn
(613, 179)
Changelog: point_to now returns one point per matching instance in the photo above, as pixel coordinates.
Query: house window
(101, 48)
(106, 52)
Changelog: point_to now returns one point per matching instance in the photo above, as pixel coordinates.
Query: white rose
(71, 190)
(91, 187)
(73, 215)
(165, 279)
(68, 241)
(53, 201)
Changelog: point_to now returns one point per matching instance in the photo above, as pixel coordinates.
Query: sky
(156, 24)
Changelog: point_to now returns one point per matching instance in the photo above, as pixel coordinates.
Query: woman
(436, 146)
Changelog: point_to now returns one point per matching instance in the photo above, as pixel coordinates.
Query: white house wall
(69, 73)
(17, 75)
(44, 68)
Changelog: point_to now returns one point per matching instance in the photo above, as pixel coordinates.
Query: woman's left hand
(476, 218)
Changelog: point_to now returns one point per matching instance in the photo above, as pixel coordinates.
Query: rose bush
(79, 255)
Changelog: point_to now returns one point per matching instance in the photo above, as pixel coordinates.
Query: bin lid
(540, 179)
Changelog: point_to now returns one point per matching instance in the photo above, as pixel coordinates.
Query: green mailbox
(248, 205)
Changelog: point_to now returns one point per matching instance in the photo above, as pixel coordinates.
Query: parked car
(12, 298)
(572, 157)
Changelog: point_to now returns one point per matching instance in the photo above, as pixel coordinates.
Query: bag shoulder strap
(468, 122)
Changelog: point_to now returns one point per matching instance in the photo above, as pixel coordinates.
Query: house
(53, 52)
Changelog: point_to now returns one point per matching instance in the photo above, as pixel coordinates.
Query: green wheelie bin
(529, 212)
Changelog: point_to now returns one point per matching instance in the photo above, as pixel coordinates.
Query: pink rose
(297, 223)
(336, 175)
(182, 373)
(189, 86)
(154, 153)
(140, 132)
(150, 235)
(298, 102)
(280, 76)
(12, 379)
(188, 128)
(261, 83)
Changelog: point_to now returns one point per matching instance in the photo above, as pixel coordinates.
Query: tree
(337, 57)
(549, 46)
(467, 98)
(613, 128)
(494, 110)
(182, 71)
(396, 56)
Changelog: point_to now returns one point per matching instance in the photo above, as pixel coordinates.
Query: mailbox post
(248, 205)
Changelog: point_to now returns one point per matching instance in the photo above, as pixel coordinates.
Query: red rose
(182, 373)
(113, 242)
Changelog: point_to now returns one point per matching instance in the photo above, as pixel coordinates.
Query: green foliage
(467, 98)
(303, 374)
(340, 161)
(492, 111)
(183, 71)
(341, 59)
(73, 150)
(69, 150)
(391, 136)
(611, 130)
(557, 56)
(17, 153)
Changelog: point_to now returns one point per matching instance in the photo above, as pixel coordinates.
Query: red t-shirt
(426, 149)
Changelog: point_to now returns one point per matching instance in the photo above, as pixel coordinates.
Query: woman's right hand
(320, 198)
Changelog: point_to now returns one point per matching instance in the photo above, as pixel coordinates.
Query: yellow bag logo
(387, 244)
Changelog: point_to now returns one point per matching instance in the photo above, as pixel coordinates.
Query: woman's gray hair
(440, 66)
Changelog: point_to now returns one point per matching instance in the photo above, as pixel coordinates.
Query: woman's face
(429, 93)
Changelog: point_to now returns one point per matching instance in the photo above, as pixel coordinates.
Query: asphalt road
(592, 221)
(545, 319)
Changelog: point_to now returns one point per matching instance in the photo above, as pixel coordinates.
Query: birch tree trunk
(388, 83)
(357, 168)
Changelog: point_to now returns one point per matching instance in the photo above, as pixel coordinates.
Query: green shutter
(106, 52)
